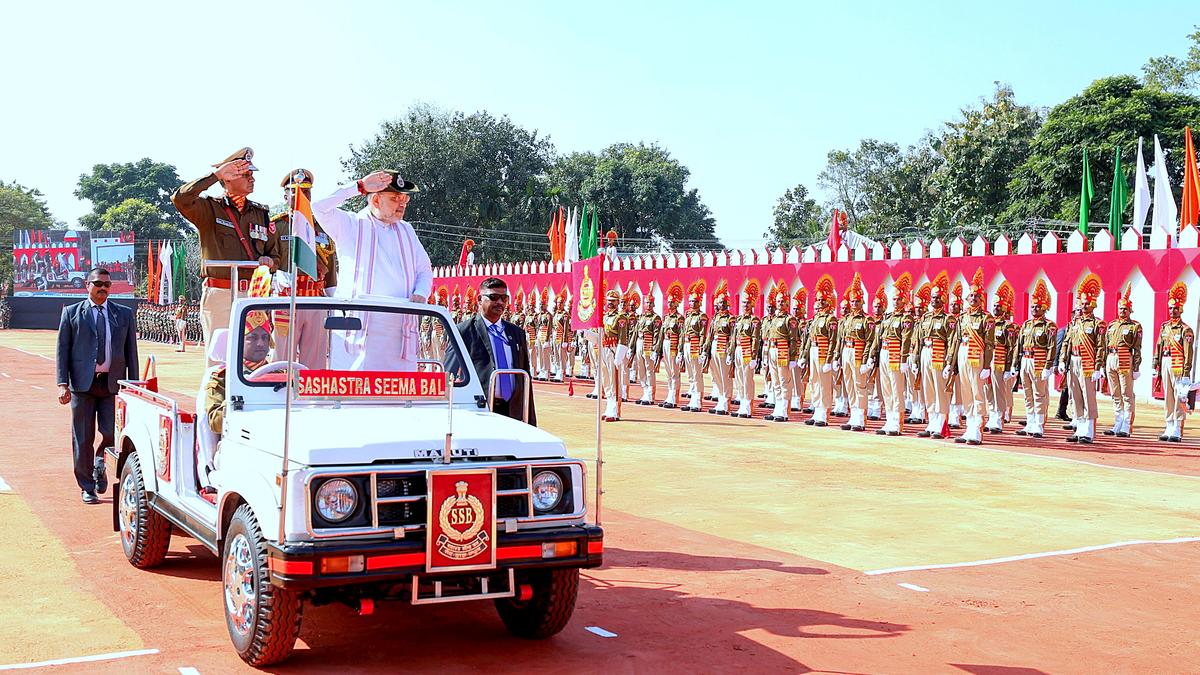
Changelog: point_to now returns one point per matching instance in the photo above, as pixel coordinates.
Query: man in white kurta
(378, 254)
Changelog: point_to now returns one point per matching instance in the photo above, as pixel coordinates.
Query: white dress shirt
(107, 337)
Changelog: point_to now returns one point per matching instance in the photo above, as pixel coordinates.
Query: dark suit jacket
(77, 346)
(479, 349)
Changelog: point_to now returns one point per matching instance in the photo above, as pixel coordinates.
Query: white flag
(1141, 193)
(165, 287)
(572, 252)
(1166, 215)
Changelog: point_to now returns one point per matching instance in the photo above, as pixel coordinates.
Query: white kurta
(375, 258)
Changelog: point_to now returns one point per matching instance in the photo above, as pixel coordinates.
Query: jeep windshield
(335, 336)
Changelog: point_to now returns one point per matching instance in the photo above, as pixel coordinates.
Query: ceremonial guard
(1035, 346)
(971, 360)
(562, 340)
(695, 327)
(874, 381)
(717, 354)
(841, 405)
(625, 367)
(890, 354)
(1005, 360)
(917, 413)
(819, 349)
(857, 332)
(543, 322)
(669, 353)
(747, 347)
(933, 336)
(1082, 360)
(1123, 365)
(230, 228)
(613, 345)
(799, 374)
(956, 393)
(1173, 363)
(647, 338)
(779, 337)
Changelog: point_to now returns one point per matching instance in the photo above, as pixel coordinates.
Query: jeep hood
(365, 434)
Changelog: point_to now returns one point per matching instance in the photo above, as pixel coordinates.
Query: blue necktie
(100, 334)
(504, 385)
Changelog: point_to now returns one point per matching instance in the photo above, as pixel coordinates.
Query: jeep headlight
(336, 500)
(547, 490)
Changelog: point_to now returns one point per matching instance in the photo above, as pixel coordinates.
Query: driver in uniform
(256, 346)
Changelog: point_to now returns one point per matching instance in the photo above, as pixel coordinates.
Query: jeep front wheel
(263, 620)
(548, 608)
(145, 533)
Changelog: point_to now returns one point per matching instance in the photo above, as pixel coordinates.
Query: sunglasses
(102, 284)
(496, 297)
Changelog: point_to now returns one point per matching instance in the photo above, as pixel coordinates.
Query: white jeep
(352, 485)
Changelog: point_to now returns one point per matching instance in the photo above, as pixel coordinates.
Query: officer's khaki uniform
(975, 338)
(695, 327)
(747, 346)
(819, 349)
(778, 335)
(225, 234)
(857, 333)
(1123, 345)
(669, 355)
(1172, 361)
(1035, 345)
(647, 336)
(999, 387)
(562, 339)
(799, 372)
(1082, 356)
(718, 352)
(891, 350)
(614, 336)
(933, 337)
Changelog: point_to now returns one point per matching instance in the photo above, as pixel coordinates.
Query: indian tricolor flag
(304, 236)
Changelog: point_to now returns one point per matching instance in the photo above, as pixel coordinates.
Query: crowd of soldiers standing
(175, 323)
(937, 361)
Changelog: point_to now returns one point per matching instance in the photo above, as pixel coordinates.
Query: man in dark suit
(97, 346)
(493, 344)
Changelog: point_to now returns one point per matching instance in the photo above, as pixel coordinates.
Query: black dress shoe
(881, 432)
(821, 424)
(857, 428)
(710, 398)
(924, 434)
(769, 418)
(810, 421)
(893, 433)
(974, 442)
(955, 426)
(1068, 427)
(780, 418)
(1122, 434)
(89, 497)
(1072, 438)
(100, 474)
(960, 439)
(720, 412)
(807, 411)
(845, 427)
(995, 431)
(1021, 432)
(1164, 437)
(1176, 439)
(1063, 417)
(1022, 422)
(712, 411)
(1109, 432)
(1087, 440)
(1036, 434)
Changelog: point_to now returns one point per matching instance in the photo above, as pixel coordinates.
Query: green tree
(979, 153)
(143, 218)
(21, 208)
(109, 185)
(883, 190)
(642, 194)
(1174, 74)
(480, 176)
(1110, 112)
(799, 220)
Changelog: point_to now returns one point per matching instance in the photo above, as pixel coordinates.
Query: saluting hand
(374, 182)
(231, 170)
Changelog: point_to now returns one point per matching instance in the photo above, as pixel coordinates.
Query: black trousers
(91, 409)
(1063, 397)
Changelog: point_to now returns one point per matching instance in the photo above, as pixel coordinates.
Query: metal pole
(291, 372)
(599, 436)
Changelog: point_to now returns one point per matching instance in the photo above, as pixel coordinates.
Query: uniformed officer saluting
(231, 228)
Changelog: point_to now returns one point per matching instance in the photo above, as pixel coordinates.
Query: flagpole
(291, 370)
(599, 415)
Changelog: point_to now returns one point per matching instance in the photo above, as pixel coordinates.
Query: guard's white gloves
(985, 374)
(754, 364)
(864, 368)
(1046, 373)
(1096, 376)
(791, 364)
(946, 372)
(826, 368)
(1137, 374)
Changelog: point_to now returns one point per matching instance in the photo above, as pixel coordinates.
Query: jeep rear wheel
(548, 609)
(263, 620)
(145, 533)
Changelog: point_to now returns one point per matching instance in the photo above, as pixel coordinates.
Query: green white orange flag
(304, 236)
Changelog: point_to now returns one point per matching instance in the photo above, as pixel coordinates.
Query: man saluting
(231, 228)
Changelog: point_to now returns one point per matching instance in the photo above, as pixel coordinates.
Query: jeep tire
(548, 610)
(263, 619)
(145, 533)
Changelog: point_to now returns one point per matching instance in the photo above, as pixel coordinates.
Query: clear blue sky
(750, 96)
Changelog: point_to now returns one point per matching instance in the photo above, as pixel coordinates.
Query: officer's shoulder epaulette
(258, 206)
(279, 216)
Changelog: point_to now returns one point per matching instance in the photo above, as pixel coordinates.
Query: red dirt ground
(679, 600)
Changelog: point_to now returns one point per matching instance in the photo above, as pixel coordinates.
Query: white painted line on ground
(600, 631)
(914, 587)
(1030, 556)
(40, 356)
(4, 487)
(111, 656)
(18, 379)
(5, 374)
(188, 670)
(37, 387)
(1081, 461)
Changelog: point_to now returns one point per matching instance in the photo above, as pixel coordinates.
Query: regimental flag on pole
(1086, 192)
(1120, 195)
(1165, 214)
(179, 269)
(150, 288)
(585, 242)
(834, 239)
(304, 236)
(572, 246)
(1141, 192)
(587, 287)
(166, 274)
(1191, 182)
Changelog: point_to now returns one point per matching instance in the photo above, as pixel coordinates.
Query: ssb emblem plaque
(462, 521)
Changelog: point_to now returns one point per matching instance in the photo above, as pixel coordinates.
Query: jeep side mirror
(350, 323)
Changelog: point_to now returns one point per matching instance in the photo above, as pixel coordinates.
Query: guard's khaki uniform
(747, 346)
(857, 333)
(1172, 361)
(1082, 356)
(695, 327)
(974, 338)
(669, 355)
(934, 336)
(718, 353)
(1035, 346)
(819, 349)
(1004, 361)
(647, 336)
(613, 338)
(1123, 344)
(799, 372)
(778, 336)
(891, 350)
